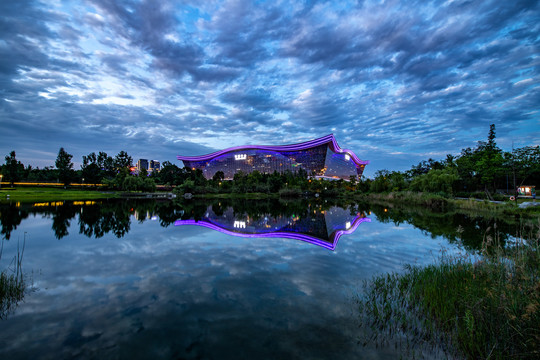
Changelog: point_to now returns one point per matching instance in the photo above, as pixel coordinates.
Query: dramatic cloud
(395, 81)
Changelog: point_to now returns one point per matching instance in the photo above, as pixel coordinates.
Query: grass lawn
(33, 194)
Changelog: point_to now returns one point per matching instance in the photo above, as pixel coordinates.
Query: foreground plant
(12, 285)
(477, 309)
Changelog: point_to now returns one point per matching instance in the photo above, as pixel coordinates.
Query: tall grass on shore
(12, 283)
(485, 307)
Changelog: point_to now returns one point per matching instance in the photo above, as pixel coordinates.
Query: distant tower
(142, 164)
(154, 166)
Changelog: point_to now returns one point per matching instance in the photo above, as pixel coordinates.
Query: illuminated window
(240, 224)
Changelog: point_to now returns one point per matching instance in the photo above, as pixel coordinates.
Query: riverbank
(35, 194)
(440, 203)
(41, 194)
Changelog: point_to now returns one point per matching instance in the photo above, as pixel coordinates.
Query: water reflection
(95, 218)
(191, 292)
(320, 222)
(316, 226)
(465, 228)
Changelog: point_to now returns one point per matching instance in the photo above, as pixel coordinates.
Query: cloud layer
(395, 81)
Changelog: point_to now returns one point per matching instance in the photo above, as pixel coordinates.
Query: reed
(484, 307)
(12, 282)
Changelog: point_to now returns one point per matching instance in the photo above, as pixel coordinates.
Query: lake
(216, 279)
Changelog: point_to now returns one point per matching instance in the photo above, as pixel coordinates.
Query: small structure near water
(526, 190)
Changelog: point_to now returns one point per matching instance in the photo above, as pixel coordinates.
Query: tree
(123, 160)
(353, 180)
(381, 182)
(467, 171)
(525, 162)
(198, 177)
(490, 162)
(12, 168)
(436, 181)
(65, 167)
(218, 176)
(106, 164)
(91, 172)
(169, 174)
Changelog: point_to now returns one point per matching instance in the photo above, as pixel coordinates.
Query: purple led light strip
(337, 234)
(281, 234)
(294, 147)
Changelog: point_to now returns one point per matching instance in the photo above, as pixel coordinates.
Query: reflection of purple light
(337, 234)
(294, 147)
(331, 244)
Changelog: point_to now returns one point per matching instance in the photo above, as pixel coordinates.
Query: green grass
(35, 194)
(489, 308)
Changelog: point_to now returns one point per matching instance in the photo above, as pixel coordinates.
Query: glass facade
(340, 166)
(319, 158)
(264, 161)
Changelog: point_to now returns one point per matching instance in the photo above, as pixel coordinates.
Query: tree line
(113, 172)
(481, 170)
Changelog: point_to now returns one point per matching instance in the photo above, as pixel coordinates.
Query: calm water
(143, 280)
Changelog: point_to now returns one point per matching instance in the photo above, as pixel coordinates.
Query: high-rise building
(319, 158)
(142, 164)
(154, 166)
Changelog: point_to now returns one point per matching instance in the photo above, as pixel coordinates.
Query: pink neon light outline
(293, 147)
(334, 237)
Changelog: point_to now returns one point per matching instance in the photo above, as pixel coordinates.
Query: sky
(397, 82)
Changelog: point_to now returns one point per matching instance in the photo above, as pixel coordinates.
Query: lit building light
(240, 224)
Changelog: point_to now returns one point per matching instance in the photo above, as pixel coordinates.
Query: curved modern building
(319, 158)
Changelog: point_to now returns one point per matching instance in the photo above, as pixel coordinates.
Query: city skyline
(397, 82)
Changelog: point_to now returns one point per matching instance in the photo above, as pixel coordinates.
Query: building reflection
(320, 227)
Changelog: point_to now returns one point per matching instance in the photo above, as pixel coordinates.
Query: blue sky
(397, 82)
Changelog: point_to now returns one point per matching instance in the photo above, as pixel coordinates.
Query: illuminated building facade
(142, 164)
(319, 158)
(150, 166)
(154, 166)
